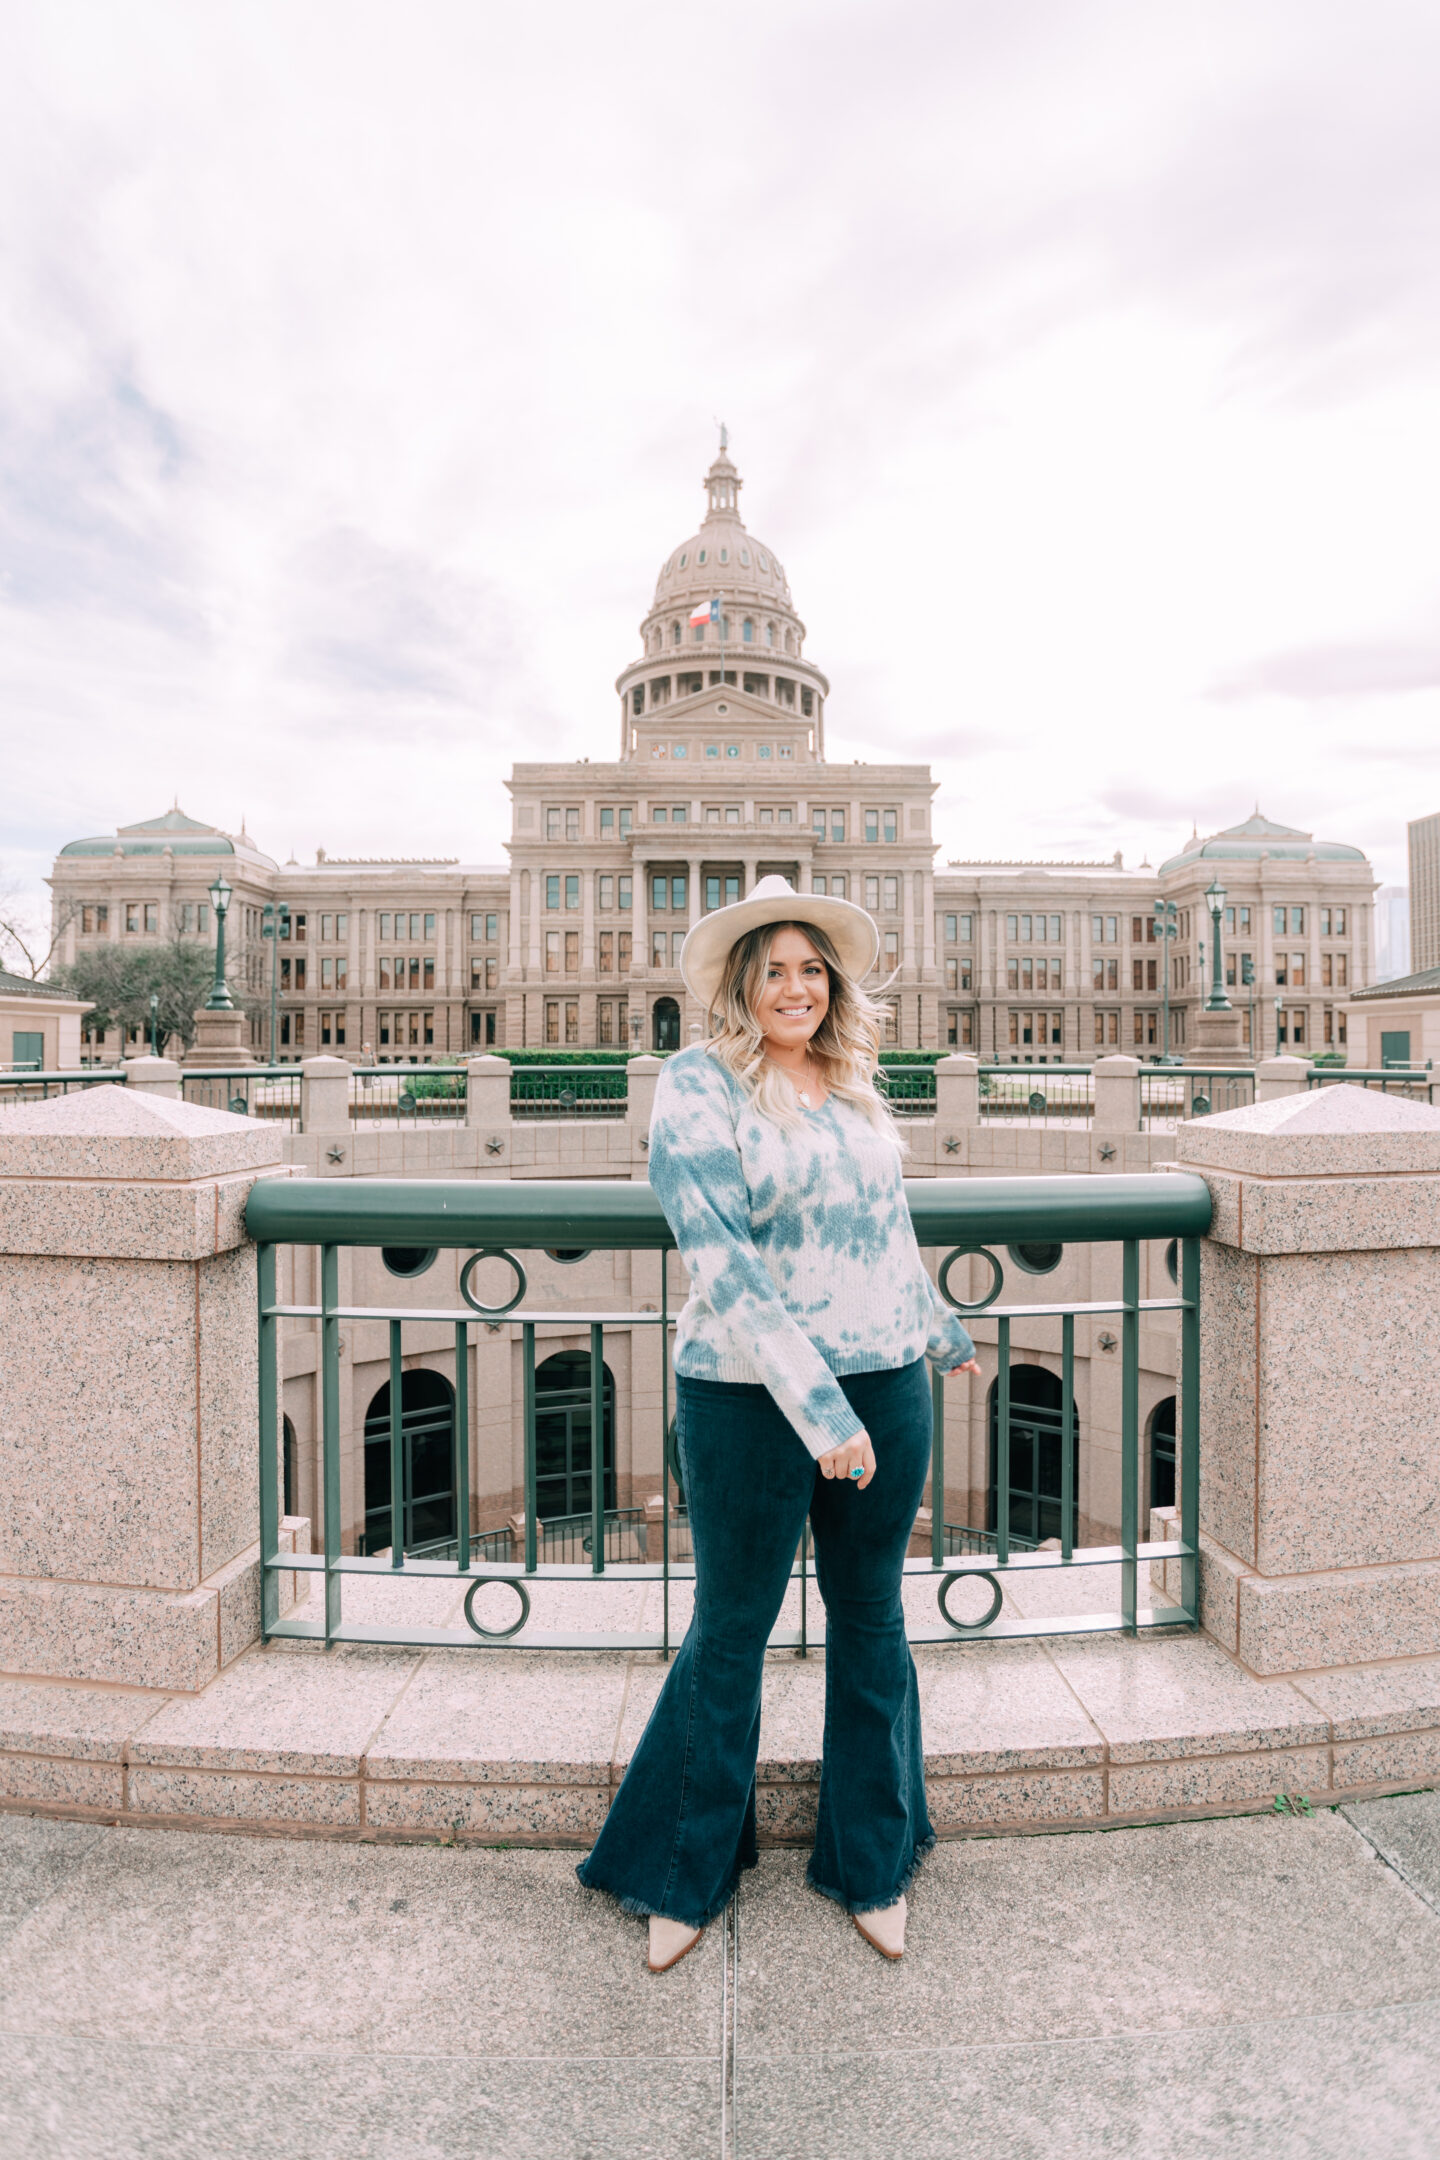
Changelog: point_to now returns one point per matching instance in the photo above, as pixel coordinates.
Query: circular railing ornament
(492, 1312)
(997, 1599)
(1200, 1106)
(490, 1634)
(1037, 1101)
(997, 1278)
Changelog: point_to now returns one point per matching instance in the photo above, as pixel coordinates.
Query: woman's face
(795, 995)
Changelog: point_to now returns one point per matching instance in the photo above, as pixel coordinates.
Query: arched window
(747, 631)
(667, 1024)
(1162, 1453)
(769, 633)
(427, 1440)
(1036, 1400)
(674, 633)
(562, 1437)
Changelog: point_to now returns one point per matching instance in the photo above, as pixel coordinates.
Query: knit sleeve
(950, 1343)
(697, 1176)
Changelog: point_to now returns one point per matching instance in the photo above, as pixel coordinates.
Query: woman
(801, 1389)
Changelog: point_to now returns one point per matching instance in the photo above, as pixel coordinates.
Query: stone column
(324, 1095)
(641, 1074)
(1117, 1094)
(487, 1094)
(1320, 1379)
(957, 1102)
(153, 1076)
(129, 1378)
(1278, 1077)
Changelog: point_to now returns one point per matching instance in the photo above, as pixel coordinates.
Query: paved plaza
(1265, 1985)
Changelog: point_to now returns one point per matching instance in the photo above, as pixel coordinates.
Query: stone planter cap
(108, 1132)
(1338, 1131)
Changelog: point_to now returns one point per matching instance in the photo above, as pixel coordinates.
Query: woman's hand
(856, 1453)
(971, 1365)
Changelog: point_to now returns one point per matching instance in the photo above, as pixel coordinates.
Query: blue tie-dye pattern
(801, 1252)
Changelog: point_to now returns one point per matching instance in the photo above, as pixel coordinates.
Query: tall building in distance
(1392, 932)
(720, 777)
(1424, 838)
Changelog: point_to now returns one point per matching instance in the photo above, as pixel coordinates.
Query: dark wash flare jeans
(682, 1825)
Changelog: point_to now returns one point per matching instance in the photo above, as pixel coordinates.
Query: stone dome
(1259, 836)
(722, 560)
(176, 834)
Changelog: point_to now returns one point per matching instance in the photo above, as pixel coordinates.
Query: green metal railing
(499, 1221)
(267, 1092)
(1036, 1094)
(391, 1094)
(28, 1085)
(568, 1091)
(1171, 1093)
(1416, 1082)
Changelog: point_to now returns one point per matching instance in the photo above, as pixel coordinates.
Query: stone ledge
(528, 1746)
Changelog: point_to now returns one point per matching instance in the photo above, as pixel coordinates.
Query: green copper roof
(183, 836)
(1262, 836)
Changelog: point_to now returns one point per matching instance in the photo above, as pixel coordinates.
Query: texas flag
(708, 611)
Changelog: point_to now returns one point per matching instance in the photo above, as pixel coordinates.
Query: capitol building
(720, 777)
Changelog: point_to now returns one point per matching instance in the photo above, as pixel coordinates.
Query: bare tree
(27, 941)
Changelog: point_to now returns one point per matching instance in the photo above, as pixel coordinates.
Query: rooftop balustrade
(499, 1223)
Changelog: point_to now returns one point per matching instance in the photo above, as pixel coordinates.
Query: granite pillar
(1320, 1378)
(324, 1095)
(128, 1388)
(1117, 1094)
(957, 1095)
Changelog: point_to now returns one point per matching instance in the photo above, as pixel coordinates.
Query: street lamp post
(1217, 1000)
(1166, 928)
(219, 999)
(275, 926)
(1279, 1024)
(154, 1023)
(1247, 977)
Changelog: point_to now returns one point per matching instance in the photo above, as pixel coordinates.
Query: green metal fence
(34, 1086)
(268, 1092)
(1415, 1082)
(1169, 1094)
(1056, 1095)
(568, 1091)
(502, 1221)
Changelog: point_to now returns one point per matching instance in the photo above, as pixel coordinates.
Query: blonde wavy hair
(845, 1046)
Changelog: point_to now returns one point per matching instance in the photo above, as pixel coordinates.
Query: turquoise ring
(857, 1471)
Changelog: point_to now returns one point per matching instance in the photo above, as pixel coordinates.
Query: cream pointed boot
(884, 1931)
(669, 1941)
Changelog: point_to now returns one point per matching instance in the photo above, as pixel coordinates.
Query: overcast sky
(359, 365)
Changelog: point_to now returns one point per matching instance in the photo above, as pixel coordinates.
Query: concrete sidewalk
(1265, 1986)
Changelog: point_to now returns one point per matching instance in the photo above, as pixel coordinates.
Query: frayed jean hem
(858, 1907)
(642, 1911)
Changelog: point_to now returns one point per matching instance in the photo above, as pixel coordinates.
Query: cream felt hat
(775, 900)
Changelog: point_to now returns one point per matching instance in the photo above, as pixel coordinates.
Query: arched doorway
(666, 1019)
(562, 1436)
(1162, 1453)
(427, 1434)
(1035, 1407)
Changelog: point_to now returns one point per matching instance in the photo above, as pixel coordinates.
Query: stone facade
(720, 777)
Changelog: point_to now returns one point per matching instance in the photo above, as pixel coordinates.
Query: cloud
(1362, 670)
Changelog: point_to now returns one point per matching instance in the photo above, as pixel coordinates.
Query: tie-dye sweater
(801, 1252)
